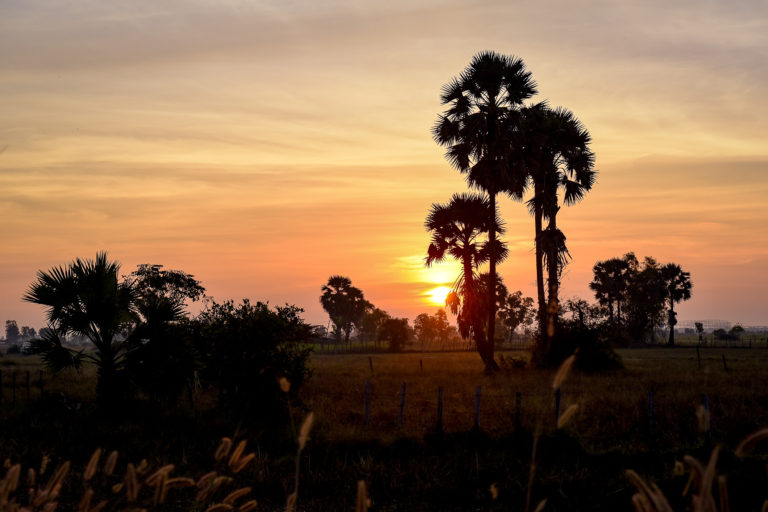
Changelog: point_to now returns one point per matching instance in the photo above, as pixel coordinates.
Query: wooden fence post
(367, 403)
(421, 364)
(518, 407)
(478, 395)
(400, 418)
(370, 363)
(651, 422)
(29, 396)
(725, 367)
(707, 425)
(557, 406)
(439, 426)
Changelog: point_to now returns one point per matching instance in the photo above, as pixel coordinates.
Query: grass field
(409, 467)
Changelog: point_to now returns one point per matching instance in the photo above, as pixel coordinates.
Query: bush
(13, 349)
(246, 350)
(592, 351)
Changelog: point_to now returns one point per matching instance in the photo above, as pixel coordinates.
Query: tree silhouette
(458, 230)
(557, 157)
(678, 287)
(344, 303)
(86, 298)
(478, 128)
(610, 282)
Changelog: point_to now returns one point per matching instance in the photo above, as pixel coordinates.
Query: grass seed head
(305, 428)
(748, 443)
(562, 372)
(219, 507)
(223, 450)
(235, 458)
(248, 506)
(285, 385)
(109, 465)
(236, 495)
(90, 469)
(569, 413)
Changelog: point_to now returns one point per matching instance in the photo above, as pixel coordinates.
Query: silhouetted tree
(611, 279)
(371, 323)
(86, 298)
(478, 128)
(678, 286)
(557, 157)
(458, 230)
(517, 311)
(344, 303)
(11, 331)
(396, 332)
(646, 299)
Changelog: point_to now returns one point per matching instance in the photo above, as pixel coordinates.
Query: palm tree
(458, 230)
(86, 298)
(556, 156)
(477, 129)
(344, 303)
(678, 285)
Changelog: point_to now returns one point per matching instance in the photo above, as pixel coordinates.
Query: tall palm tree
(86, 298)
(610, 282)
(458, 231)
(678, 286)
(557, 157)
(477, 129)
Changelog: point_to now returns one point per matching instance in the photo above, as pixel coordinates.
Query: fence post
(707, 427)
(557, 406)
(518, 413)
(439, 426)
(725, 367)
(421, 364)
(28, 393)
(367, 403)
(370, 363)
(478, 395)
(651, 422)
(400, 418)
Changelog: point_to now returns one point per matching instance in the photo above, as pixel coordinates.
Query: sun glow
(437, 295)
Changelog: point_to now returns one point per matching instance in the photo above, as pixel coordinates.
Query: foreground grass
(580, 467)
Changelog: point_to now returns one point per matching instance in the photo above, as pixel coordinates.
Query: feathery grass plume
(305, 428)
(748, 443)
(649, 498)
(722, 487)
(765, 506)
(85, 501)
(142, 467)
(131, 483)
(219, 507)
(57, 480)
(163, 471)
(702, 415)
(109, 465)
(31, 477)
(180, 481)
(159, 483)
(494, 491)
(562, 372)
(531, 472)
(236, 495)
(248, 506)
(44, 465)
(541, 505)
(244, 461)
(361, 501)
(235, 458)
(223, 450)
(90, 469)
(569, 413)
(210, 489)
(12, 477)
(285, 385)
(205, 479)
(117, 488)
(679, 468)
(290, 503)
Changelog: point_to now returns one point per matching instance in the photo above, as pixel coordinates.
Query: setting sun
(437, 295)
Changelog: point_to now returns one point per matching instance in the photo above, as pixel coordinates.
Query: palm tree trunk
(553, 280)
(672, 323)
(540, 272)
(490, 363)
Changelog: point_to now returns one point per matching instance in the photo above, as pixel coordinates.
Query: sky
(263, 146)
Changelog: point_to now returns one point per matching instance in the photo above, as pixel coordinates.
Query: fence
(16, 385)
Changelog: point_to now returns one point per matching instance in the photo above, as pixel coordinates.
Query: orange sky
(263, 146)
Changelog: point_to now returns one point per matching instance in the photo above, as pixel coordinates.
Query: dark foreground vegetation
(410, 465)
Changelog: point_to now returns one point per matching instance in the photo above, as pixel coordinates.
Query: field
(409, 465)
